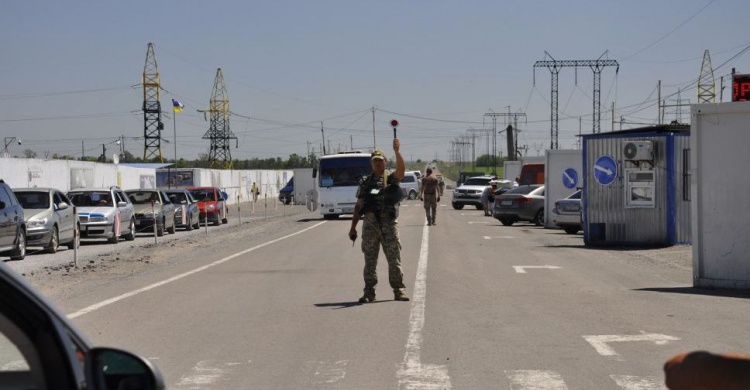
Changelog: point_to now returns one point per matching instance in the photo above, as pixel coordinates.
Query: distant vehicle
(211, 203)
(104, 213)
(470, 192)
(338, 177)
(410, 185)
(42, 349)
(567, 213)
(12, 225)
(418, 174)
(185, 205)
(50, 219)
(286, 194)
(160, 212)
(532, 174)
(523, 203)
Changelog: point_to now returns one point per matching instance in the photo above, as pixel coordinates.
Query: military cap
(377, 155)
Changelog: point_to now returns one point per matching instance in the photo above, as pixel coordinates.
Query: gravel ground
(100, 263)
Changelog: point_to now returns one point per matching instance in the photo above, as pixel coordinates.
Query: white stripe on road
(412, 374)
(327, 373)
(627, 382)
(491, 237)
(521, 269)
(472, 222)
(203, 375)
(535, 380)
(601, 342)
(110, 301)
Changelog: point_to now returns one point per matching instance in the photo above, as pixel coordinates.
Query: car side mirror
(109, 368)
(122, 204)
(62, 206)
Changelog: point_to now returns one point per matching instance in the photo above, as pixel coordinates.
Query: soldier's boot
(368, 297)
(400, 296)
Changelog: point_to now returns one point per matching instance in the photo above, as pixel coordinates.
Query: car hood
(146, 208)
(30, 214)
(91, 210)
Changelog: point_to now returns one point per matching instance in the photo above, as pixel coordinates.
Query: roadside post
(239, 213)
(265, 206)
(75, 237)
(153, 213)
(206, 220)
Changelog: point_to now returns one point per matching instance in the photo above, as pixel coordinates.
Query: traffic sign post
(605, 170)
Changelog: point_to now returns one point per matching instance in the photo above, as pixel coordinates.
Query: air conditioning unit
(638, 151)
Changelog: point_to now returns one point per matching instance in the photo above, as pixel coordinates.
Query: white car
(104, 213)
(567, 213)
(49, 218)
(410, 185)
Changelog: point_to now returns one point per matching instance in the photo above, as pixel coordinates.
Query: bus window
(343, 172)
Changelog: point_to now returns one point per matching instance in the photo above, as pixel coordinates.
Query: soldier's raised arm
(400, 166)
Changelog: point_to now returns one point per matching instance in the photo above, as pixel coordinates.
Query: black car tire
(160, 229)
(114, 239)
(571, 230)
(131, 234)
(506, 221)
(479, 207)
(19, 252)
(54, 241)
(197, 224)
(539, 218)
(330, 216)
(189, 225)
(412, 195)
(458, 206)
(171, 229)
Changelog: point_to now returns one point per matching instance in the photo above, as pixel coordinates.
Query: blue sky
(291, 64)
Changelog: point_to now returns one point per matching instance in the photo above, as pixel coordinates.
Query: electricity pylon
(706, 81)
(218, 131)
(152, 124)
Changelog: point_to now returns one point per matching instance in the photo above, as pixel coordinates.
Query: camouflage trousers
(374, 235)
(430, 207)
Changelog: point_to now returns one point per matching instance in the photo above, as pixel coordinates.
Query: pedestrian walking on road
(255, 191)
(378, 197)
(429, 192)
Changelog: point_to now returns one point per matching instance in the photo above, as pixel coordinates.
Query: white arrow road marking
(491, 237)
(520, 268)
(628, 382)
(205, 374)
(600, 343)
(602, 169)
(327, 372)
(412, 374)
(535, 380)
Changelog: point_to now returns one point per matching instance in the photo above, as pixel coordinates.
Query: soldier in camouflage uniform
(377, 205)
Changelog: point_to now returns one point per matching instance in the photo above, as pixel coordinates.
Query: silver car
(152, 207)
(50, 219)
(186, 214)
(567, 213)
(104, 213)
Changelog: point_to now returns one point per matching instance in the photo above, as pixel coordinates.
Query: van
(532, 174)
(410, 185)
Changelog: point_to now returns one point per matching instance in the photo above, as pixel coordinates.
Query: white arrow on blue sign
(570, 178)
(605, 170)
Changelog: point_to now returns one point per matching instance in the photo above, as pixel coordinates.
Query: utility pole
(373, 128)
(613, 116)
(322, 132)
(511, 134)
(659, 118)
(83, 151)
(351, 142)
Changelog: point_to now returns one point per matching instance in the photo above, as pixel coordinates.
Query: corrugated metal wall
(683, 234)
(606, 204)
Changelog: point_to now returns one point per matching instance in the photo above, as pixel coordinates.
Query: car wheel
(131, 233)
(114, 239)
(19, 252)
(197, 224)
(171, 229)
(539, 218)
(571, 230)
(54, 241)
(330, 216)
(189, 225)
(458, 206)
(160, 229)
(224, 220)
(412, 195)
(506, 221)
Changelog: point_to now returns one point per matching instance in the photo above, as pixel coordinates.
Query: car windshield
(475, 181)
(33, 200)
(178, 197)
(575, 195)
(143, 197)
(343, 172)
(522, 190)
(203, 195)
(93, 198)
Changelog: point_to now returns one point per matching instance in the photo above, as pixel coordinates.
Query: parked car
(470, 192)
(410, 185)
(567, 213)
(523, 203)
(12, 225)
(211, 203)
(186, 214)
(42, 349)
(286, 194)
(50, 218)
(104, 213)
(152, 206)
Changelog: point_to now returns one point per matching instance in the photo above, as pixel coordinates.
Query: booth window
(641, 189)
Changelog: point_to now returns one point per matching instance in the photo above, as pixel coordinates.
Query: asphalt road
(273, 305)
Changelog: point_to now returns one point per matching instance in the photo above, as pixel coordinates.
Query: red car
(211, 204)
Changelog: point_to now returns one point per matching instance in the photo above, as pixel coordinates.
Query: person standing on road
(377, 204)
(255, 191)
(430, 194)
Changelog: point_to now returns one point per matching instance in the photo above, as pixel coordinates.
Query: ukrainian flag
(177, 105)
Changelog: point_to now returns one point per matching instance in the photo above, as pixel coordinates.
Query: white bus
(337, 181)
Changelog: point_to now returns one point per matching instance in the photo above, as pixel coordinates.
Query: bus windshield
(343, 172)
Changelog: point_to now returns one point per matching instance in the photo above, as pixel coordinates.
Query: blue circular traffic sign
(605, 170)
(570, 178)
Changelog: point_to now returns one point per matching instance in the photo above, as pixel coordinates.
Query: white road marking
(628, 382)
(412, 374)
(203, 375)
(535, 380)
(480, 222)
(327, 373)
(491, 237)
(110, 301)
(600, 343)
(521, 268)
